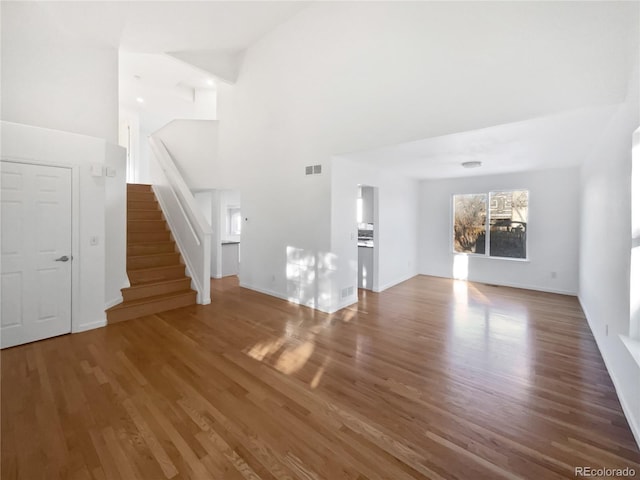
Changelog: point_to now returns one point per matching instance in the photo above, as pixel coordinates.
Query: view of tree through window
(470, 213)
(508, 213)
(507, 223)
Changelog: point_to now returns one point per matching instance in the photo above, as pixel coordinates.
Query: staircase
(156, 273)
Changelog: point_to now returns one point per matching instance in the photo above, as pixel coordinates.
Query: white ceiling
(158, 26)
(557, 141)
(561, 43)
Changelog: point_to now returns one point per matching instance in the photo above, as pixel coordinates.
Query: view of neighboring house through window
(505, 227)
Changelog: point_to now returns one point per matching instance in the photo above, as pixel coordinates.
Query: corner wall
(396, 230)
(552, 230)
(605, 249)
(98, 212)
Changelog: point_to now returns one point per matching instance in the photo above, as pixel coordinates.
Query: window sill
(633, 346)
(480, 255)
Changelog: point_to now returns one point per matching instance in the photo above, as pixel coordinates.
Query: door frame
(375, 282)
(75, 228)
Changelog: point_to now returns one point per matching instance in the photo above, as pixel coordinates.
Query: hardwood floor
(431, 379)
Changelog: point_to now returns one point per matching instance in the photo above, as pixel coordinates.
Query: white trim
(633, 346)
(91, 326)
(75, 249)
(345, 303)
(194, 283)
(112, 303)
(487, 229)
(194, 220)
(395, 282)
(634, 424)
(511, 285)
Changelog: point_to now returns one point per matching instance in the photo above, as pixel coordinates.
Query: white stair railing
(190, 229)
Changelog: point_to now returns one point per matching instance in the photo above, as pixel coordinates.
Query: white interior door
(36, 252)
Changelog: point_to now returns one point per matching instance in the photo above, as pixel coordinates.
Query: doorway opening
(368, 239)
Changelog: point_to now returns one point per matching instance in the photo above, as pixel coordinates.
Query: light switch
(93, 240)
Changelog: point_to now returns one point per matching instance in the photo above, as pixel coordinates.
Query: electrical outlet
(93, 240)
(554, 274)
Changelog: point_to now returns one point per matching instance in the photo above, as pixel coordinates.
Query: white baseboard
(395, 282)
(90, 326)
(347, 302)
(112, 303)
(633, 422)
(265, 291)
(523, 286)
(343, 304)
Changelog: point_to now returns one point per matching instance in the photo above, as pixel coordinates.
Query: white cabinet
(365, 267)
(230, 258)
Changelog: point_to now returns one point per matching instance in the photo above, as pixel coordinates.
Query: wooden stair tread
(162, 242)
(158, 283)
(147, 255)
(156, 274)
(143, 301)
(153, 269)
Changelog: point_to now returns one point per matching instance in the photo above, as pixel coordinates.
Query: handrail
(173, 176)
(180, 187)
(188, 225)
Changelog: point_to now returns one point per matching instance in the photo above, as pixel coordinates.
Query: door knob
(64, 258)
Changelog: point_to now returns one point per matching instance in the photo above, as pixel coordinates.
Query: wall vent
(347, 292)
(313, 170)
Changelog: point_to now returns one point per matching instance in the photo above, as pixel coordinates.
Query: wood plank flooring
(431, 379)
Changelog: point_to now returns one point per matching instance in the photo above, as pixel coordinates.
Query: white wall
(115, 218)
(52, 81)
(346, 76)
(193, 145)
(395, 227)
(98, 201)
(553, 230)
(209, 203)
(129, 138)
(605, 246)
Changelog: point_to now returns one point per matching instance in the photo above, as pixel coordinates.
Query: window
(234, 221)
(469, 225)
(503, 234)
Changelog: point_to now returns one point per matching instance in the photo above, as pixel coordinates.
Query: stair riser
(146, 226)
(158, 281)
(134, 206)
(141, 197)
(151, 261)
(133, 187)
(163, 305)
(150, 249)
(144, 215)
(145, 276)
(147, 237)
(135, 293)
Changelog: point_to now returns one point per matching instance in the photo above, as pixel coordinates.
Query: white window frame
(487, 226)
